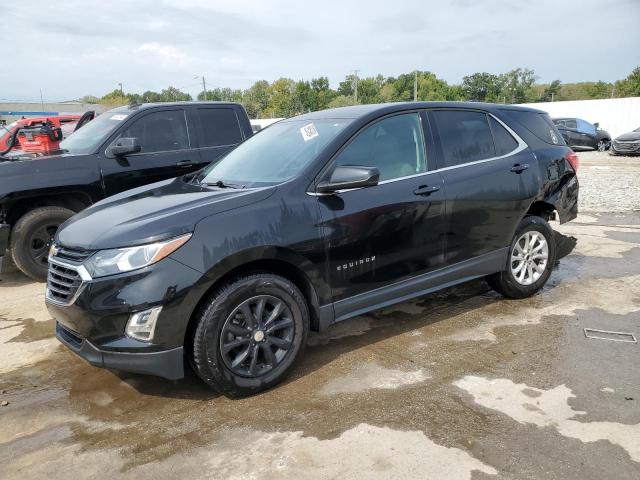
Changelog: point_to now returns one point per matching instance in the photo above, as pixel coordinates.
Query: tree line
(286, 97)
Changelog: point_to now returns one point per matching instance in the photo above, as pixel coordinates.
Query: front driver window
(160, 131)
(394, 145)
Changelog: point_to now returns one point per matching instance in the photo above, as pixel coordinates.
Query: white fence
(615, 115)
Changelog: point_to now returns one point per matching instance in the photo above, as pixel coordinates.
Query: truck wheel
(249, 334)
(531, 257)
(31, 238)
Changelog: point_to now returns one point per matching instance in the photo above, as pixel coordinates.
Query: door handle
(426, 190)
(517, 168)
(185, 163)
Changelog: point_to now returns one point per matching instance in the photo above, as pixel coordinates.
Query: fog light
(142, 325)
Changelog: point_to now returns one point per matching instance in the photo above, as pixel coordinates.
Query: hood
(151, 213)
(37, 173)
(629, 136)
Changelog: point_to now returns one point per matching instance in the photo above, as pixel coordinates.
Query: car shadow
(341, 338)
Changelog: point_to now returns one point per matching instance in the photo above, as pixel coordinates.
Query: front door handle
(426, 190)
(185, 163)
(518, 168)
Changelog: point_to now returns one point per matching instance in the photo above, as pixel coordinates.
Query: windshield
(6, 130)
(90, 136)
(275, 154)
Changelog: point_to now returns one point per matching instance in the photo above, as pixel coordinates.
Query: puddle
(372, 376)
(550, 409)
(363, 452)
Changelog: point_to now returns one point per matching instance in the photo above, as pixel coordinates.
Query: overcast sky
(71, 48)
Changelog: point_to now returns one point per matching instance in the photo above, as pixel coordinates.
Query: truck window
(218, 127)
(163, 131)
(465, 136)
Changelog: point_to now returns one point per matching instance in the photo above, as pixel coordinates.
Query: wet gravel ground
(608, 183)
(457, 384)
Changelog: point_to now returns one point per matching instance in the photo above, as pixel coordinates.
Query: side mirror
(345, 177)
(124, 146)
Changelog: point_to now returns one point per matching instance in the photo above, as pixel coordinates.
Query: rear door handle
(426, 190)
(185, 163)
(517, 168)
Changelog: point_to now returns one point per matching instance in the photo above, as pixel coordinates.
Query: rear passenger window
(219, 126)
(393, 145)
(503, 140)
(465, 136)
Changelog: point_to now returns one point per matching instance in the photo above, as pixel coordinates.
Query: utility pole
(613, 90)
(355, 79)
(415, 86)
(204, 88)
(552, 96)
(41, 101)
(121, 93)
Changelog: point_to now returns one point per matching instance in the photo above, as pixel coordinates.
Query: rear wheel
(31, 238)
(249, 334)
(531, 257)
(603, 145)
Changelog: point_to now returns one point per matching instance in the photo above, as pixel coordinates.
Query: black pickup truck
(121, 149)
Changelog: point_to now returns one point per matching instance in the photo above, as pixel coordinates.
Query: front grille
(64, 283)
(73, 254)
(626, 146)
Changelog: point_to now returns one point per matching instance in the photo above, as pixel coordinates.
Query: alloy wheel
(257, 336)
(40, 243)
(529, 257)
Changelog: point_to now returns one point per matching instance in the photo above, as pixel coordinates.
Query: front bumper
(625, 148)
(166, 364)
(92, 324)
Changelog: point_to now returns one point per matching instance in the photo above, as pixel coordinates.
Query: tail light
(572, 158)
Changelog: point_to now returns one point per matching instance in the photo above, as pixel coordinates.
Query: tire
(506, 282)
(223, 321)
(603, 145)
(31, 238)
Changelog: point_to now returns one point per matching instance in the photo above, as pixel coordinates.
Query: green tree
(550, 92)
(630, 86)
(281, 98)
(151, 97)
(322, 93)
(256, 99)
(516, 85)
(172, 94)
(481, 87)
(342, 101)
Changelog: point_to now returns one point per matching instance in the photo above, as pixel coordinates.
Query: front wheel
(249, 334)
(531, 257)
(603, 145)
(31, 238)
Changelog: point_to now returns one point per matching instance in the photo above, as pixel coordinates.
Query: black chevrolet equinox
(312, 221)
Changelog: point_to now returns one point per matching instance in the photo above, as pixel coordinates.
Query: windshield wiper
(221, 184)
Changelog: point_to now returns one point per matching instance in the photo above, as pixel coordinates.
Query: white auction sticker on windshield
(119, 117)
(308, 132)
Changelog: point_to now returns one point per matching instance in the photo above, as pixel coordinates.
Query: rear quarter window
(504, 141)
(218, 127)
(539, 124)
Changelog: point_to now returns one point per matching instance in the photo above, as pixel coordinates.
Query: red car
(66, 122)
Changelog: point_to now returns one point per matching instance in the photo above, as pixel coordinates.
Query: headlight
(119, 260)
